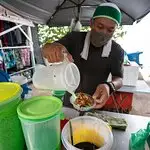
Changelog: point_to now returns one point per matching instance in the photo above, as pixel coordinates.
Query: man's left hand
(101, 95)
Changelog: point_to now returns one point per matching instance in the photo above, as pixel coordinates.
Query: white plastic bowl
(77, 107)
(93, 123)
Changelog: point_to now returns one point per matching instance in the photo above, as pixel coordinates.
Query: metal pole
(31, 47)
(25, 34)
(3, 56)
(11, 29)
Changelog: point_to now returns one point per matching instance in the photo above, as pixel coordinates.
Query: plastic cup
(42, 135)
(11, 135)
(40, 119)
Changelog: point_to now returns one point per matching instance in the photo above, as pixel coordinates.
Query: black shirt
(95, 69)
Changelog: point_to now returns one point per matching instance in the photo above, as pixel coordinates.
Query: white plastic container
(89, 122)
(57, 76)
(23, 82)
(130, 74)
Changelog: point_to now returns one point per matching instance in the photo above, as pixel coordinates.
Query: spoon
(73, 94)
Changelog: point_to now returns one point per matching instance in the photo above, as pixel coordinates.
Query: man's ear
(91, 23)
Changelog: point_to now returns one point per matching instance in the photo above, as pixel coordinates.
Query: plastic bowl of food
(82, 102)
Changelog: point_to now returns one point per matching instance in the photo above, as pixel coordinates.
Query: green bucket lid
(9, 92)
(41, 107)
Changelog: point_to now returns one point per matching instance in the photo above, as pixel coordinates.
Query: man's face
(105, 25)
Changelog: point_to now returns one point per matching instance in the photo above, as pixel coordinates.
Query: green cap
(41, 107)
(108, 10)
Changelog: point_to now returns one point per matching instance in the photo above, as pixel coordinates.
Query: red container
(63, 122)
(121, 101)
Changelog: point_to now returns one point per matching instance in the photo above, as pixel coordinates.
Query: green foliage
(51, 34)
(119, 33)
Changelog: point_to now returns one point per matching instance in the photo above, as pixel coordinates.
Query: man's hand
(101, 95)
(55, 52)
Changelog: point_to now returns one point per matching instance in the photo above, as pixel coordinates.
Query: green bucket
(40, 119)
(11, 135)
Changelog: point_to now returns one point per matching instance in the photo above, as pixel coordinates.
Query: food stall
(40, 116)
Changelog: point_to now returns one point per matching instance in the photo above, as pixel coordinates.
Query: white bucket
(23, 82)
(20, 79)
(62, 76)
(97, 125)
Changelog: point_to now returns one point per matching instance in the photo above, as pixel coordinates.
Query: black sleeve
(117, 59)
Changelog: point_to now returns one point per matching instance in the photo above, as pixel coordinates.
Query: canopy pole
(78, 13)
(31, 47)
(57, 9)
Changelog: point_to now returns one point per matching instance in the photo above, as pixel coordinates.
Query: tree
(51, 34)
(119, 33)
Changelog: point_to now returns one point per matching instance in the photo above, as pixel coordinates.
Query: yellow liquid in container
(86, 134)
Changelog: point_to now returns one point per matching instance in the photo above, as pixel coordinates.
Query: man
(95, 54)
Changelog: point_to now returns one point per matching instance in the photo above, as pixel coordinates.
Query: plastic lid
(71, 77)
(41, 107)
(9, 91)
(19, 79)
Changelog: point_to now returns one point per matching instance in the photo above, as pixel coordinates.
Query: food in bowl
(84, 100)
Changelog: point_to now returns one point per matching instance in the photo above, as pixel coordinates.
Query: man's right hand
(55, 52)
